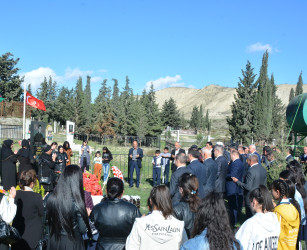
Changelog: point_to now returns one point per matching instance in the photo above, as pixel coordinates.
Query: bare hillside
(215, 98)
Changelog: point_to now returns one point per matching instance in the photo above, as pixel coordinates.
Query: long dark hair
(60, 211)
(263, 197)
(212, 215)
(66, 145)
(298, 178)
(189, 185)
(115, 188)
(106, 149)
(287, 189)
(160, 198)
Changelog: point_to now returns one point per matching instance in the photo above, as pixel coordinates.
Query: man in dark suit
(210, 173)
(196, 168)
(289, 157)
(303, 157)
(222, 167)
(180, 161)
(256, 175)
(234, 193)
(135, 162)
(252, 150)
(174, 152)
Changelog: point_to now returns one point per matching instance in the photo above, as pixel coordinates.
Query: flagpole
(24, 111)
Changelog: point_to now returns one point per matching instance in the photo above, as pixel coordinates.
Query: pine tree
(152, 113)
(264, 102)
(170, 114)
(241, 122)
(291, 96)
(10, 81)
(125, 124)
(42, 94)
(299, 85)
(64, 106)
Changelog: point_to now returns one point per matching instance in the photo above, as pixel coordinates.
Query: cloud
(96, 79)
(165, 82)
(36, 76)
(75, 73)
(259, 47)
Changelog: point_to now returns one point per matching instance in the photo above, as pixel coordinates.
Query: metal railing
(144, 141)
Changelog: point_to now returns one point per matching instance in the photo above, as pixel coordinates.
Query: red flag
(35, 103)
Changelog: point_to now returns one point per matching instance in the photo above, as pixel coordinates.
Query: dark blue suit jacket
(209, 175)
(222, 167)
(139, 159)
(174, 185)
(197, 168)
(235, 169)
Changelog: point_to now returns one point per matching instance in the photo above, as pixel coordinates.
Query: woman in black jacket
(46, 169)
(114, 217)
(9, 159)
(60, 160)
(25, 157)
(28, 219)
(186, 209)
(66, 212)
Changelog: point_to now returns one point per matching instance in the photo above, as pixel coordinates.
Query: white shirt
(254, 164)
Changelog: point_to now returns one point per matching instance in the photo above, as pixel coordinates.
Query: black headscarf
(25, 151)
(6, 150)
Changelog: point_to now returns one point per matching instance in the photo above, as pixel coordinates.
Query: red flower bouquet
(91, 184)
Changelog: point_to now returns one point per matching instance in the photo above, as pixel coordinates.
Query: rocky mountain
(213, 97)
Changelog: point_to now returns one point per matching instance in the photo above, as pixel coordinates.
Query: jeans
(156, 173)
(106, 168)
(165, 174)
(134, 165)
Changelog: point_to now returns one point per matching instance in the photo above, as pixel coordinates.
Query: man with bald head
(176, 151)
(256, 175)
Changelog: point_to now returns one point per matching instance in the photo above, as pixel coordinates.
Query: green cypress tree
(299, 85)
(29, 89)
(194, 121)
(42, 94)
(10, 81)
(278, 116)
(264, 102)
(241, 122)
(291, 96)
(80, 112)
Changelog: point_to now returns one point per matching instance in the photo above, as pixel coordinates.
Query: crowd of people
(200, 209)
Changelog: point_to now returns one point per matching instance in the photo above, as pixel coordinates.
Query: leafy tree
(10, 81)
(64, 106)
(299, 85)
(170, 114)
(291, 96)
(241, 122)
